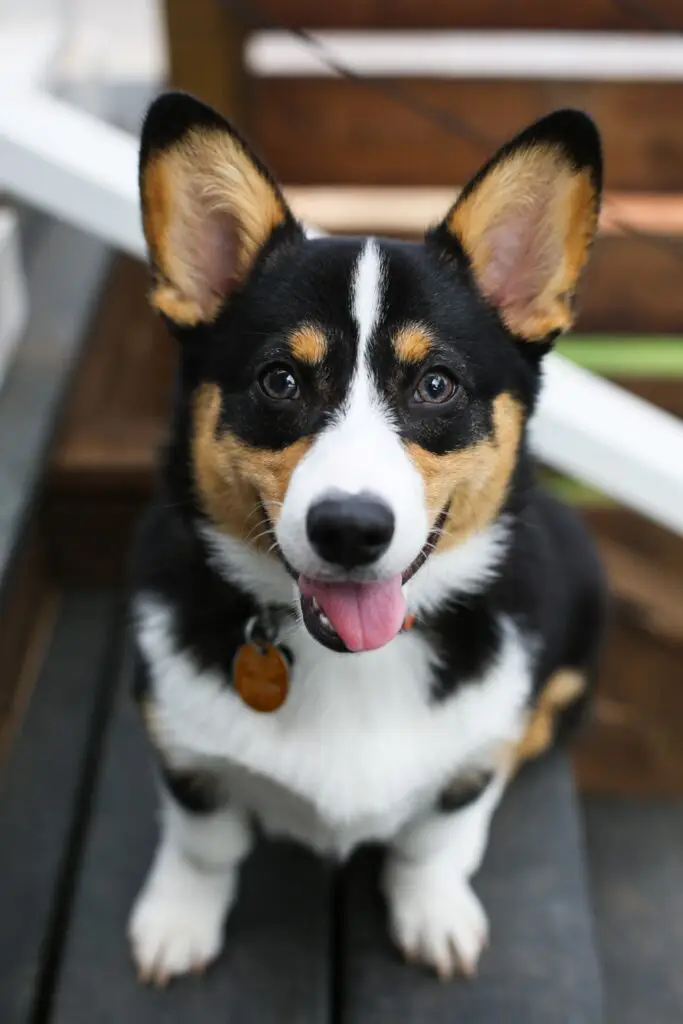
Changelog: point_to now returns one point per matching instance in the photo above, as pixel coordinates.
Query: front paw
(436, 918)
(177, 922)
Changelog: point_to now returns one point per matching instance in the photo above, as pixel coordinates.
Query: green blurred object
(619, 355)
(616, 356)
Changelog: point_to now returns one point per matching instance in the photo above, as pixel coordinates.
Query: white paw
(177, 922)
(436, 919)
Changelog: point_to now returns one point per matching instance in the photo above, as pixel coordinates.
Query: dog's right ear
(208, 208)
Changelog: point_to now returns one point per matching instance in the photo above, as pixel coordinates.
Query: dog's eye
(279, 383)
(435, 388)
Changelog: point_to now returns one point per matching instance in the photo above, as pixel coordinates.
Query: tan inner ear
(207, 212)
(534, 200)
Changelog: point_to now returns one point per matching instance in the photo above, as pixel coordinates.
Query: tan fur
(308, 344)
(205, 175)
(561, 690)
(412, 343)
(168, 300)
(231, 478)
(474, 480)
(535, 178)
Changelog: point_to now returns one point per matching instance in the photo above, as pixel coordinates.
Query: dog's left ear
(526, 222)
(209, 207)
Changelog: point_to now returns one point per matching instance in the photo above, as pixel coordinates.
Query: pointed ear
(527, 220)
(208, 208)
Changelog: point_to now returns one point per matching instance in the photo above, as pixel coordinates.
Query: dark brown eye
(435, 388)
(279, 383)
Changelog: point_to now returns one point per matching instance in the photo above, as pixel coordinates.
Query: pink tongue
(365, 615)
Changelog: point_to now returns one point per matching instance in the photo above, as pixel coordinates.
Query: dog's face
(356, 403)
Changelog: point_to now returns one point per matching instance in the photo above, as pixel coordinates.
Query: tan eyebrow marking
(308, 344)
(412, 343)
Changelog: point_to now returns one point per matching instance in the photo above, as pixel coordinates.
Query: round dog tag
(261, 676)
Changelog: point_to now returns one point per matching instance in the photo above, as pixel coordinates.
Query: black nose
(350, 530)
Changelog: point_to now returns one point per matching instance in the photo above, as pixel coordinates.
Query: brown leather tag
(261, 676)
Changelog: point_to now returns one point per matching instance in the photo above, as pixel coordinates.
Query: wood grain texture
(633, 285)
(339, 132)
(205, 43)
(120, 396)
(631, 743)
(467, 14)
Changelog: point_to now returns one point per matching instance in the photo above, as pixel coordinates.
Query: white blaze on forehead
(367, 294)
(360, 450)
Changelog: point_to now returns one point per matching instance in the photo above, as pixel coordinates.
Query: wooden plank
(333, 132)
(468, 14)
(43, 794)
(635, 857)
(652, 595)
(25, 592)
(631, 742)
(120, 395)
(632, 285)
(205, 52)
(535, 891)
(275, 966)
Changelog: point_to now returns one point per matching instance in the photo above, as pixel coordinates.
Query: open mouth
(350, 617)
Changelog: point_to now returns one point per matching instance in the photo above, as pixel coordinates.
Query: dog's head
(351, 404)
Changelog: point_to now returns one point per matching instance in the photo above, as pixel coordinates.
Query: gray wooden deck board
(43, 791)
(275, 967)
(541, 967)
(636, 869)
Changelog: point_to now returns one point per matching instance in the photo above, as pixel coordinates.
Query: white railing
(72, 165)
(577, 56)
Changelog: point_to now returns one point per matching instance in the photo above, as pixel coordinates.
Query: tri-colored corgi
(355, 611)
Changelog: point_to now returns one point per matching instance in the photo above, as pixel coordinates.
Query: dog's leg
(177, 921)
(436, 918)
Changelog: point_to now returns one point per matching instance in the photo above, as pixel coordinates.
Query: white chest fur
(356, 751)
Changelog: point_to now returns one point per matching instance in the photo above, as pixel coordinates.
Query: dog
(355, 611)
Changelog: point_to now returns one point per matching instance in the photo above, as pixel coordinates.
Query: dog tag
(261, 676)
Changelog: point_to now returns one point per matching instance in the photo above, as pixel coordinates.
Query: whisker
(259, 536)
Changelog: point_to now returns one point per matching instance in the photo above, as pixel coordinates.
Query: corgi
(355, 611)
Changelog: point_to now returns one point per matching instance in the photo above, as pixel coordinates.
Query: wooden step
(331, 132)
(471, 14)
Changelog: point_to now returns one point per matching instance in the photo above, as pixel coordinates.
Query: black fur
(464, 791)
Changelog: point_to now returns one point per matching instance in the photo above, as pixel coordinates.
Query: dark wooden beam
(205, 44)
